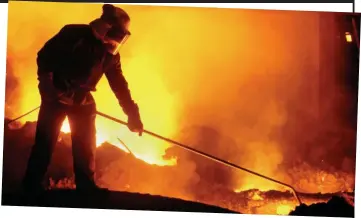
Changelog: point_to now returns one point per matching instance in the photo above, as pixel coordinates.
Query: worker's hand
(135, 124)
(80, 96)
(66, 98)
(49, 93)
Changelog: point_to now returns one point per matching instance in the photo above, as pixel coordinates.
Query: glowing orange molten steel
(148, 157)
(284, 209)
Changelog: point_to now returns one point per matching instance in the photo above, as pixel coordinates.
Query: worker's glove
(48, 92)
(134, 122)
(73, 96)
(80, 96)
(66, 98)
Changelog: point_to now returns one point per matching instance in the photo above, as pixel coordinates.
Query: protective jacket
(71, 64)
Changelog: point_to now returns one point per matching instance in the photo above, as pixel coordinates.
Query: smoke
(242, 85)
(11, 91)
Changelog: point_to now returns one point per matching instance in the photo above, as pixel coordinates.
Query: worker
(70, 65)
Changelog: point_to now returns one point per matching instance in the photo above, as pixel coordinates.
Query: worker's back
(73, 56)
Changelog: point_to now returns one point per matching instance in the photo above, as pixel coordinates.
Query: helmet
(118, 32)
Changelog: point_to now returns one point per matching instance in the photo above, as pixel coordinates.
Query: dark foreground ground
(116, 168)
(109, 200)
(336, 207)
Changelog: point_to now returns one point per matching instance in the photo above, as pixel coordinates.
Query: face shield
(116, 38)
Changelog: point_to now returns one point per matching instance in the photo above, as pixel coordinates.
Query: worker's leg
(50, 120)
(83, 133)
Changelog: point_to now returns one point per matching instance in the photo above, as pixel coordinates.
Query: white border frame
(56, 212)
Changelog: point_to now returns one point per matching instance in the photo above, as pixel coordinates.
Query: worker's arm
(57, 47)
(53, 51)
(119, 86)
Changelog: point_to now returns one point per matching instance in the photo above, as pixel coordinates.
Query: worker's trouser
(83, 136)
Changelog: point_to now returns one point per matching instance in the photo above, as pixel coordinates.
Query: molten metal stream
(187, 148)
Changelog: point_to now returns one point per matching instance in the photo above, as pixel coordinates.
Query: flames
(118, 138)
(141, 72)
(284, 209)
(148, 149)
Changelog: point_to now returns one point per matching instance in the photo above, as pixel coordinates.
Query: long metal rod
(355, 32)
(186, 148)
(126, 147)
(205, 155)
(13, 120)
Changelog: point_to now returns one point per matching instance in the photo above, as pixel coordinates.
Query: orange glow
(257, 197)
(284, 209)
(111, 137)
(348, 37)
(159, 117)
(66, 127)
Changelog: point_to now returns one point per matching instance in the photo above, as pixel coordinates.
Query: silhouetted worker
(69, 66)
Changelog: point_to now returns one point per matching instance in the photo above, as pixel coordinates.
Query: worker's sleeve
(54, 49)
(119, 86)
(47, 58)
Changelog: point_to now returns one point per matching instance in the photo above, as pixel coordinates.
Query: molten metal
(205, 155)
(187, 148)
